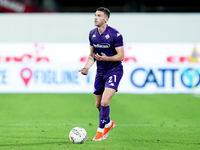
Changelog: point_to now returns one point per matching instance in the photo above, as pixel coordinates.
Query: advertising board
(53, 68)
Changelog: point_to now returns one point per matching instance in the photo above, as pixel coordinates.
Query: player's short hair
(105, 10)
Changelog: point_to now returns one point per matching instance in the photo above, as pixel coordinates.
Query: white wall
(75, 27)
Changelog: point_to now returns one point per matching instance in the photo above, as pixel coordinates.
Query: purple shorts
(110, 80)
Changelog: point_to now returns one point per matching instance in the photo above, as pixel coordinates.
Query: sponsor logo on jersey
(102, 45)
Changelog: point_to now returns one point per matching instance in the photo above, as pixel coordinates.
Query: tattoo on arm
(90, 58)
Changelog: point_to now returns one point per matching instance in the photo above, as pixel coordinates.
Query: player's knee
(98, 105)
(105, 102)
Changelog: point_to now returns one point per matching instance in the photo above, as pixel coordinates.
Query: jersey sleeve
(90, 39)
(118, 40)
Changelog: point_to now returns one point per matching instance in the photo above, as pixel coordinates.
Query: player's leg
(98, 94)
(98, 101)
(107, 96)
(103, 101)
(105, 111)
(99, 89)
(99, 134)
(111, 85)
(105, 106)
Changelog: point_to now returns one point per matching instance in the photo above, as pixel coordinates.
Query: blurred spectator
(27, 6)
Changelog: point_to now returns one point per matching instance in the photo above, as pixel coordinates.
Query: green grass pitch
(143, 122)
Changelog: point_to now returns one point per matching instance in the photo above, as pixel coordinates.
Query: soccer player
(106, 48)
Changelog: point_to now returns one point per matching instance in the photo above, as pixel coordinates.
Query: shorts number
(110, 78)
(115, 78)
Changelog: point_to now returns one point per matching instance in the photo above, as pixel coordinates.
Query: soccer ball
(78, 135)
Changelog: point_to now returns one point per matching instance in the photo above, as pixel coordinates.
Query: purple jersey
(106, 43)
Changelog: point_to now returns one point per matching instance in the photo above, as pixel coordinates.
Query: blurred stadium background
(90, 6)
(43, 43)
(41, 39)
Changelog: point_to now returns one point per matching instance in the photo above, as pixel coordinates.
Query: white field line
(120, 125)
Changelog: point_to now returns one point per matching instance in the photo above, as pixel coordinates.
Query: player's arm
(91, 58)
(118, 57)
(89, 62)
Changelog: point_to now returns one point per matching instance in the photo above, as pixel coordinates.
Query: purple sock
(104, 116)
(99, 114)
(108, 120)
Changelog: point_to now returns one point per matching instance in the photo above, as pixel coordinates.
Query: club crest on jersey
(107, 36)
